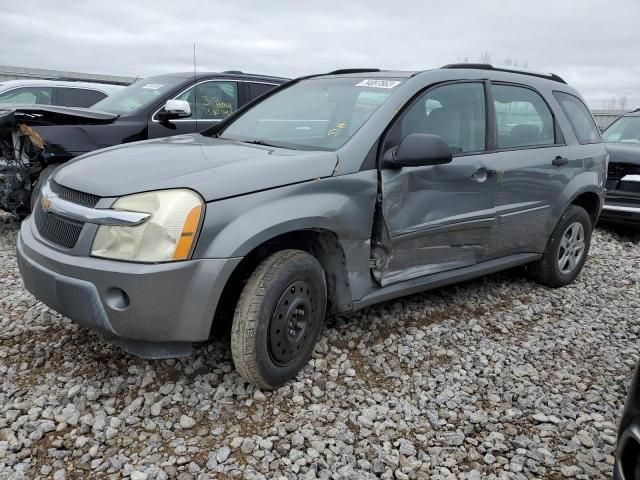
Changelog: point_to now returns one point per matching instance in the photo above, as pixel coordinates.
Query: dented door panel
(438, 218)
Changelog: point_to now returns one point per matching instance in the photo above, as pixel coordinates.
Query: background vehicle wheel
(566, 250)
(44, 176)
(278, 318)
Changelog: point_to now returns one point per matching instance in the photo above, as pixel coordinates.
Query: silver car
(328, 194)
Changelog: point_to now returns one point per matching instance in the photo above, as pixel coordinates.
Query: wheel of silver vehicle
(278, 318)
(571, 248)
(566, 250)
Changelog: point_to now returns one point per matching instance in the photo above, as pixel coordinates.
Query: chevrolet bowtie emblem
(45, 203)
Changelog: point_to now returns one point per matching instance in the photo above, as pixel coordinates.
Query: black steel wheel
(278, 318)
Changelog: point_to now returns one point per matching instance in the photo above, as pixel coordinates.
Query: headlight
(168, 235)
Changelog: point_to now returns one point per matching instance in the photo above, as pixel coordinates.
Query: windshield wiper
(260, 142)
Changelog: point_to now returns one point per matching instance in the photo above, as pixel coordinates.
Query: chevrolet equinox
(330, 193)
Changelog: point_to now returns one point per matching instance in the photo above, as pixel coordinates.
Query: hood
(11, 115)
(624, 153)
(213, 167)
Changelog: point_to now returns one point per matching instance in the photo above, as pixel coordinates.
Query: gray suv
(330, 193)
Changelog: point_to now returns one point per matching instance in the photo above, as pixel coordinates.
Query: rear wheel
(566, 250)
(42, 178)
(278, 318)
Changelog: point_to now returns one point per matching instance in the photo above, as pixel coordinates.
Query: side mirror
(418, 150)
(174, 109)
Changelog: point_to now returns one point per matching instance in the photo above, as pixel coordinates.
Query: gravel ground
(495, 378)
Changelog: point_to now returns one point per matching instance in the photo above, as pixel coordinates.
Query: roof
(235, 74)
(103, 87)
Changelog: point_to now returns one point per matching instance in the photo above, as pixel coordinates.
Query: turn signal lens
(188, 234)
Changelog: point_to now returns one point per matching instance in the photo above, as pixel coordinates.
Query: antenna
(195, 88)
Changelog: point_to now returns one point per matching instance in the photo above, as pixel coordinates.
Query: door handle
(559, 161)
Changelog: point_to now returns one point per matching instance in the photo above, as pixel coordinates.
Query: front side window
(211, 100)
(28, 95)
(623, 130)
(523, 118)
(314, 114)
(454, 112)
(579, 117)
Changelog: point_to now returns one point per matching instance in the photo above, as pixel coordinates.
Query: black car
(35, 139)
(622, 139)
(627, 463)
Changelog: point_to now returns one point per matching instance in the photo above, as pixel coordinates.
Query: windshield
(314, 114)
(138, 95)
(623, 130)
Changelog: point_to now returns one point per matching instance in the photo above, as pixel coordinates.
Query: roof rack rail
(353, 70)
(122, 83)
(486, 66)
(233, 71)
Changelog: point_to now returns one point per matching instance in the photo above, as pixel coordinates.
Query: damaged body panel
(34, 137)
(331, 193)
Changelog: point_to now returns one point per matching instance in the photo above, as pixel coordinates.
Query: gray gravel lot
(495, 378)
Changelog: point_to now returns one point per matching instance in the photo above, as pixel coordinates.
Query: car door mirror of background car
(418, 150)
(174, 109)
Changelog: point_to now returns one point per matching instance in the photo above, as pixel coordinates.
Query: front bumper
(621, 208)
(151, 310)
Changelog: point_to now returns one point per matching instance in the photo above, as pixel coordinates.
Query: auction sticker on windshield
(378, 83)
(153, 86)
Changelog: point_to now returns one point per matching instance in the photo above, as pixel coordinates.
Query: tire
(278, 318)
(42, 178)
(556, 268)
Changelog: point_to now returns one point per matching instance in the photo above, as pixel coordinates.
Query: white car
(55, 92)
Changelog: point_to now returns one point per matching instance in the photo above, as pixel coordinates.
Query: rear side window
(523, 118)
(79, 97)
(580, 118)
(28, 95)
(258, 89)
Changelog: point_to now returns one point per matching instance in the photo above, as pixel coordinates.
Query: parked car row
(35, 139)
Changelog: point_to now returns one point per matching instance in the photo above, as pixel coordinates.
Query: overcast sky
(593, 44)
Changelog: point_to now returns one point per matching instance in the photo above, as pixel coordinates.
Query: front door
(439, 218)
(210, 102)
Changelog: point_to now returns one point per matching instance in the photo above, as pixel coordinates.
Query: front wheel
(566, 250)
(278, 318)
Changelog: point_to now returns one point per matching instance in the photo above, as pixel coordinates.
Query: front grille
(61, 231)
(615, 174)
(81, 198)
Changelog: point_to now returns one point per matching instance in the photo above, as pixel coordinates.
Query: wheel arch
(322, 243)
(590, 201)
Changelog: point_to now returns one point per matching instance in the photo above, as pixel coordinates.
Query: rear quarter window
(579, 117)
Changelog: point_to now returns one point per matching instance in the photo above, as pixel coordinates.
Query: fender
(590, 181)
(343, 205)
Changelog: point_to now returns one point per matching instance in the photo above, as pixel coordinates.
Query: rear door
(533, 167)
(210, 102)
(440, 217)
